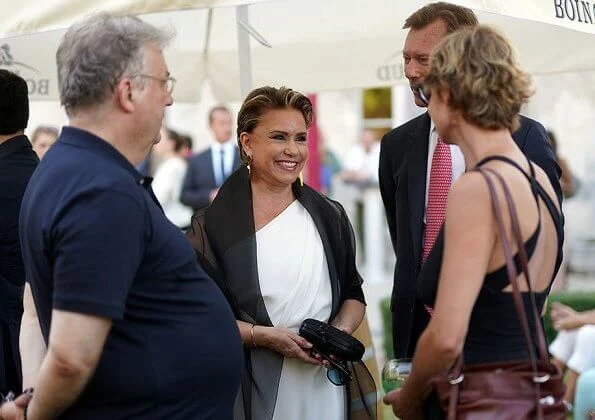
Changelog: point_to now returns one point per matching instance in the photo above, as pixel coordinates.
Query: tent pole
(244, 57)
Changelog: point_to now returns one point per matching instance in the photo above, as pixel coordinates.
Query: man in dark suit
(208, 170)
(406, 159)
(17, 163)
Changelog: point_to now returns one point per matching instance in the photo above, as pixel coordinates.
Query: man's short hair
(456, 17)
(97, 52)
(14, 103)
(215, 109)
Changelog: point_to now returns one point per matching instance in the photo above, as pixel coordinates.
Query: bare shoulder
(545, 182)
(469, 192)
(469, 223)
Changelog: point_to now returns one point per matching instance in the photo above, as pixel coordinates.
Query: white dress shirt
(458, 162)
(365, 163)
(229, 148)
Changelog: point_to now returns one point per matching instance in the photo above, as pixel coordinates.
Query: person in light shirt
(167, 184)
(361, 161)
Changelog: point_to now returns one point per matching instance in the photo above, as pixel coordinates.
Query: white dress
(167, 186)
(295, 284)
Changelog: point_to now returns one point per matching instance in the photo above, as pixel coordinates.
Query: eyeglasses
(424, 94)
(339, 374)
(168, 82)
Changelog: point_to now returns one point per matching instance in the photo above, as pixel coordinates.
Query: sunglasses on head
(424, 94)
(338, 374)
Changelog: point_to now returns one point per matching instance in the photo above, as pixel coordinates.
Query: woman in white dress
(281, 253)
(167, 184)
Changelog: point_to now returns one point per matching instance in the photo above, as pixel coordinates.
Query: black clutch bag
(329, 340)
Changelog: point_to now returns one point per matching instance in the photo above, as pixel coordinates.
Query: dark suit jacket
(402, 171)
(17, 163)
(200, 179)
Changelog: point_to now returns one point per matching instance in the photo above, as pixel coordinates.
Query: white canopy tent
(315, 45)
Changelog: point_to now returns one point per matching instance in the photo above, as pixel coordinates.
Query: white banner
(573, 14)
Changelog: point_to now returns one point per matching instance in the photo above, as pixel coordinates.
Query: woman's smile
(287, 165)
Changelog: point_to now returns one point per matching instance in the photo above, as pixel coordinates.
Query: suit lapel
(416, 183)
(211, 171)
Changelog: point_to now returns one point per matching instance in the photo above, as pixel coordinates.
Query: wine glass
(394, 374)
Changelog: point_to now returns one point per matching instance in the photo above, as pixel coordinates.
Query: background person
(42, 139)
(573, 349)
(567, 179)
(167, 184)
(570, 184)
(133, 327)
(281, 252)
(417, 169)
(476, 89)
(17, 163)
(186, 145)
(208, 170)
(361, 162)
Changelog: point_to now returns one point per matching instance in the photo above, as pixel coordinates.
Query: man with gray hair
(417, 169)
(120, 322)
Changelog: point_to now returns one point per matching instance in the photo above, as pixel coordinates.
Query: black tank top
(494, 333)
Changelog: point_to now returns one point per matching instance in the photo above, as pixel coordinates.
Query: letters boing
(574, 10)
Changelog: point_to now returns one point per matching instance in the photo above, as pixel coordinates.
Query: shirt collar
(217, 147)
(84, 139)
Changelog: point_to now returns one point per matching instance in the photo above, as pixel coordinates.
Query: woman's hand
(404, 410)
(565, 318)
(285, 342)
(15, 409)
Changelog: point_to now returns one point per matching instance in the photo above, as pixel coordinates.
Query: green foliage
(580, 301)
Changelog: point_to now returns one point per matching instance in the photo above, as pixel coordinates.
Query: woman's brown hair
(263, 99)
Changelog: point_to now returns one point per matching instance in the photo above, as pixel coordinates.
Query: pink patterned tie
(440, 181)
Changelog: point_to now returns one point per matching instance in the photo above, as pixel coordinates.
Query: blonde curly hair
(479, 68)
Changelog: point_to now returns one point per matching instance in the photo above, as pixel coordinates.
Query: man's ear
(125, 94)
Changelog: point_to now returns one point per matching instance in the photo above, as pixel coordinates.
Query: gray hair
(95, 53)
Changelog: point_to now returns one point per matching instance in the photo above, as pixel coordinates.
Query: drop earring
(249, 163)
(301, 178)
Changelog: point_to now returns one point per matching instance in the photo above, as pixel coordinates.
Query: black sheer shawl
(223, 236)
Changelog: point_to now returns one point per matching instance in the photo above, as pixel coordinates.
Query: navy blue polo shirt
(95, 241)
